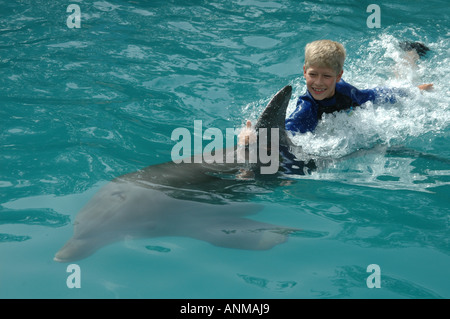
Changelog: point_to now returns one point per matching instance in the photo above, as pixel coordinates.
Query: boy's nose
(319, 79)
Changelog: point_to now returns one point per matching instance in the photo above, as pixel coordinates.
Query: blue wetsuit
(309, 111)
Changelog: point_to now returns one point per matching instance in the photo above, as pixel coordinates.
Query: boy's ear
(339, 76)
(304, 70)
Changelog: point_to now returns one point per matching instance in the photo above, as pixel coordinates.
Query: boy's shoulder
(343, 86)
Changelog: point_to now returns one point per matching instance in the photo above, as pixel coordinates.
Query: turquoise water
(81, 106)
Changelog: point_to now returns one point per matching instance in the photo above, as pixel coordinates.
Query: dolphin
(205, 201)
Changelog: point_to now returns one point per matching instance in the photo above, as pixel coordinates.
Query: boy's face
(321, 81)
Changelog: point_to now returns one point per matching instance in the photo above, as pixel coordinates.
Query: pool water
(81, 106)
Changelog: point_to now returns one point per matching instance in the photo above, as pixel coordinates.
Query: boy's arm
(304, 118)
(378, 94)
(426, 87)
(385, 95)
(247, 135)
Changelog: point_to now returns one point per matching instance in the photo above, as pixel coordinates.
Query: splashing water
(361, 146)
(343, 133)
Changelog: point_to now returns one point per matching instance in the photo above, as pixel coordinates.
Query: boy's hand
(426, 87)
(247, 135)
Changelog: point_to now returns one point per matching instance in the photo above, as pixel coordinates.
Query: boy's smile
(321, 81)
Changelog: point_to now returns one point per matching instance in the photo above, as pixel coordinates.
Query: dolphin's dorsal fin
(274, 115)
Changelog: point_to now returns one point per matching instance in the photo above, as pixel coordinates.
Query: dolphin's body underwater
(196, 200)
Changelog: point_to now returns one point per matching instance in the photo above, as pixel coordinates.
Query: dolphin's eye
(119, 194)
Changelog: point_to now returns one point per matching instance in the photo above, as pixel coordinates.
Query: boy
(327, 92)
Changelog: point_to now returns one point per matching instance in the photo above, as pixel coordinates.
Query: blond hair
(325, 53)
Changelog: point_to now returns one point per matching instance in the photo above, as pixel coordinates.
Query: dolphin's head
(108, 217)
(75, 249)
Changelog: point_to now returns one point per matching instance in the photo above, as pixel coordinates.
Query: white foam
(342, 133)
(352, 147)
